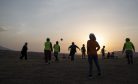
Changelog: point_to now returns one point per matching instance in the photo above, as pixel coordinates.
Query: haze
(33, 21)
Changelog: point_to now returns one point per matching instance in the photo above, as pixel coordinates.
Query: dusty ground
(35, 71)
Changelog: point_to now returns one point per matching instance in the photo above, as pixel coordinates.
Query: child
(83, 51)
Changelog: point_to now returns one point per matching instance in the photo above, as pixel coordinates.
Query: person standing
(56, 50)
(128, 48)
(83, 51)
(72, 49)
(103, 52)
(108, 55)
(24, 51)
(47, 51)
(92, 48)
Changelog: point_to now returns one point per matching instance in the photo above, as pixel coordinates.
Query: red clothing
(92, 47)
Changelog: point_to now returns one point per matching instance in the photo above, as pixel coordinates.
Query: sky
(33, 21)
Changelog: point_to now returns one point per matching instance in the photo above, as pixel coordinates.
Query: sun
(100, 40)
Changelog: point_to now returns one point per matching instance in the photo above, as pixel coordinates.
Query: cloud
(3, 28)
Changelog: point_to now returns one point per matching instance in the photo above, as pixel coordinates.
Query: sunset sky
(33, 21)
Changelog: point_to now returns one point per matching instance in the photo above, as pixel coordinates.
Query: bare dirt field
(35, 71)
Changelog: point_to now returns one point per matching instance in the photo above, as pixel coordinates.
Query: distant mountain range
(4, 48)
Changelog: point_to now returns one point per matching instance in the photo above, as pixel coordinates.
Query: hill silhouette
(4, 48)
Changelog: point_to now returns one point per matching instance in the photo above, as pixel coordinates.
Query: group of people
(48, 50)
(109, 54)
(92, 48)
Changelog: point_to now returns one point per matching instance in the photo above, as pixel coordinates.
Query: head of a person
(92, 36)
(26, 43)
(113, 53)
(83, 45)
(103, 46)
(47, 39)
(56, 42)
(127, 39)
(73, 43)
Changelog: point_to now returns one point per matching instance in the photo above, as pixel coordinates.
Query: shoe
(90, 75)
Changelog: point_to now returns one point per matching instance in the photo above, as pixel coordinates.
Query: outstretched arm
(78, 47)
(69, 48)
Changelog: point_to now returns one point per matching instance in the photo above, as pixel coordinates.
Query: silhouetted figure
(112, 55)
(24, 51)
(108, 55)
(56, 50)
(129, 49)
(72, 49)
(92, 48)
(47, 51)
(103, 52)
(61, 39)
(83, 51)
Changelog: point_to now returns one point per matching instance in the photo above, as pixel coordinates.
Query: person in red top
(92, 48)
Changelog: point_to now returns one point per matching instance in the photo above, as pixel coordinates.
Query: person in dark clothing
(83, 51)
(108, 55)
(103, 52)
(112, 55)
(72, 49)
(24, 51)
(92, 49)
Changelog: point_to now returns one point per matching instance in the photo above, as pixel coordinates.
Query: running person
(72, 49)
(24, 51)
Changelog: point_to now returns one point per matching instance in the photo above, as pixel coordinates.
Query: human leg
(46, 56)
(128, 56)
(25, 54)
(97, 64)
(131, 57)
(90, 65)
(21, 57)
(56, 56)
(49, 57)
